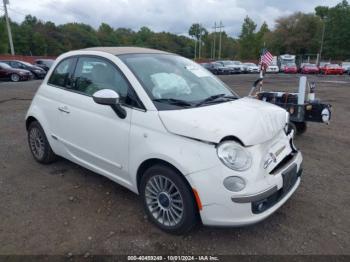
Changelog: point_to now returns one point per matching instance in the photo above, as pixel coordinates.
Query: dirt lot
(63, 208)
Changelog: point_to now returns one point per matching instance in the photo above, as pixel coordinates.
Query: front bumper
(225, 208)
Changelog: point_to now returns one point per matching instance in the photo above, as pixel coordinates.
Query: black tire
(39, 145)
(15, 77)
(189, 217)
(301, 127)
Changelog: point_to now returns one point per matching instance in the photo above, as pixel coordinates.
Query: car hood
(250, 120)
(36, 68)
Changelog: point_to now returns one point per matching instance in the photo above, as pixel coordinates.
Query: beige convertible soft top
(125, 50)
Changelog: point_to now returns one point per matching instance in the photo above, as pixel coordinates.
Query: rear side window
(61, 76)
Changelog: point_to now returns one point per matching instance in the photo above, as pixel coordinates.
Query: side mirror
(110, 98)
(106, 97)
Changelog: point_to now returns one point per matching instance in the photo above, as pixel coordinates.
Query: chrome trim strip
(256, 197)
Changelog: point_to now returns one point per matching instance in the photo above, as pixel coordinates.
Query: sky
(174, 16)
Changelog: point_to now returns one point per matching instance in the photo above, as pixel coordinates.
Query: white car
(346, 67)
(167, 129)
(252, 68)
(272, 69)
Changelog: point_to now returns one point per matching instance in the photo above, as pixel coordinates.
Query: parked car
(14, 74)
(217, 68)
(332, 69)
(310, 69)
(163, 127)
(44, 63)
(272, 69)
(233, 66)
(35, 70)
(244, 68)
(252, 68)
(290, 69)
(346, 67)
(323, 65)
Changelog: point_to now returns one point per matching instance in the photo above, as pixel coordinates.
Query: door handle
(64, 109)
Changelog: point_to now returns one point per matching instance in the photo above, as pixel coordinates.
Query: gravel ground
(62, 208)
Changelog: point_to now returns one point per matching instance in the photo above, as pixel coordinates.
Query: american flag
(266, 57)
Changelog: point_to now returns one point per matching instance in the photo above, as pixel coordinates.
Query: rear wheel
(39, 145)
(168, 200)
(15, 78)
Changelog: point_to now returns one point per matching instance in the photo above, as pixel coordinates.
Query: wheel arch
(29, 120)
(157, 161)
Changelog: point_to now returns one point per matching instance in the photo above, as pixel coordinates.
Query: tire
(168, 200)
(15, 77)
(301, 127)
(39, 145)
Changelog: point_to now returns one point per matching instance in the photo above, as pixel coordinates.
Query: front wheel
(168, 200)
(15, 78)
(39, 145)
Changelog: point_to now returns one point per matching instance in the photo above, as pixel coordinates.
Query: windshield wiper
(173, 101)
(214, 98)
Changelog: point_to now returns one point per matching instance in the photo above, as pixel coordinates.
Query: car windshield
(175, 80)
(291, 64)
(48, 62)
(3, 65)
(226, 63)
(26, 63)
(250, 64)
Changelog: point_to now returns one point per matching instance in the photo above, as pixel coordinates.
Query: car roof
(12, 61)
(125, 50)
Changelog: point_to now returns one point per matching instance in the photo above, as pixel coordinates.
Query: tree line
(299, 33)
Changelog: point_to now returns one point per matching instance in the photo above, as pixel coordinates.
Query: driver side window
(93, 74)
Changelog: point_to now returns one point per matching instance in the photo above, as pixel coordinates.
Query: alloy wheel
(164, 200)
(37, 143)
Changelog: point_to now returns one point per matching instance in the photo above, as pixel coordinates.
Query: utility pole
(6, 2)
(200, 41)
(214, 51)
(322, 40)
(195, 48)
(220, 27)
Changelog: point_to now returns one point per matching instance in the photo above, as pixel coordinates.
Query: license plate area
(289, 177)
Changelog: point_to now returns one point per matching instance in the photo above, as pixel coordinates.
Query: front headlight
(234, 156)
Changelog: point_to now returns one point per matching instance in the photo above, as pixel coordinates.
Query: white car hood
(250, 120)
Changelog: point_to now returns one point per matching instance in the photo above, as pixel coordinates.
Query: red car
(14, 74)
(322, 66)
(290, 69)
(332, 69)
(310, 69)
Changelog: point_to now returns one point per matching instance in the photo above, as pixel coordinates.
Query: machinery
(302, 106)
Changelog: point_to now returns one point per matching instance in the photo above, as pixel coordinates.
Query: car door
(93, 134)
(50, 98)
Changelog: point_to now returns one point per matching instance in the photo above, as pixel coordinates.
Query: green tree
(337, 33)
(247, 40)
(106, 35)
(298, 33)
